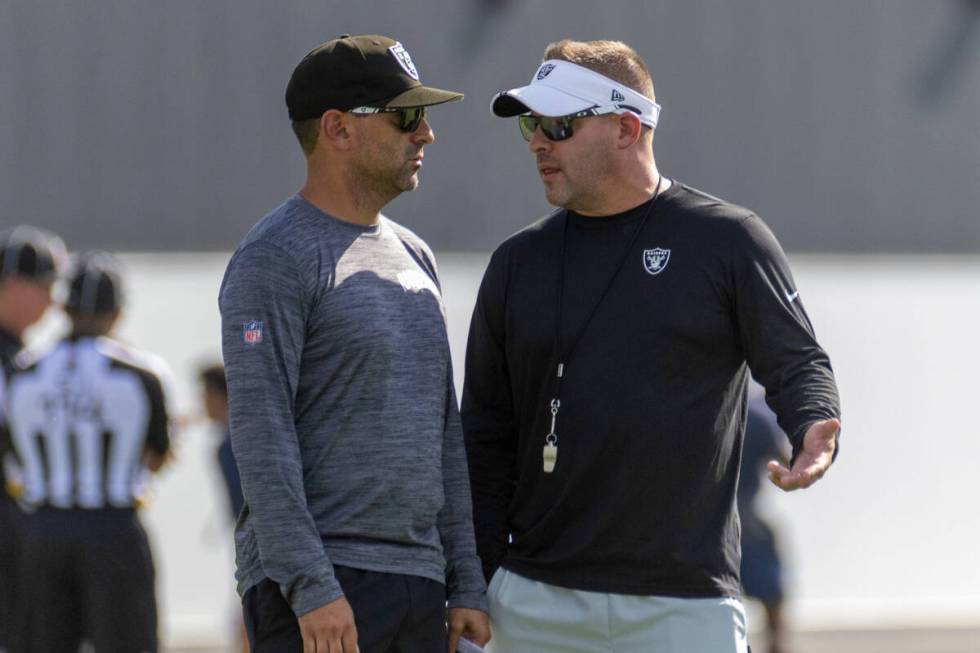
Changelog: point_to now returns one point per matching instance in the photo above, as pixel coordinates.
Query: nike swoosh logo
(790, 298)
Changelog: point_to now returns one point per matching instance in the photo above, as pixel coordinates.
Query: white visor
(562, 88)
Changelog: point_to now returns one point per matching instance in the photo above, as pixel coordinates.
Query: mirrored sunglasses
(558, 128)
(409, 118)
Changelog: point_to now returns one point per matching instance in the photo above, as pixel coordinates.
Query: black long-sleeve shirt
(642, 499)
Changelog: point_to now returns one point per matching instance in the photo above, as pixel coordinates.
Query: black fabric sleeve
(6, 445)
(776, 334)
(489, 424)
(158, 429)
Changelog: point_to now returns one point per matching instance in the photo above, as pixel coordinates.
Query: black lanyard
(565, 353)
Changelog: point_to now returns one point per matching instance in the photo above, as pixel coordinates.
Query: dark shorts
(88, 575)
(392, 613)
(9, 569)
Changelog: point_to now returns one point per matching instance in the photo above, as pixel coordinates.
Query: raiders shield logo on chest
(655, 260)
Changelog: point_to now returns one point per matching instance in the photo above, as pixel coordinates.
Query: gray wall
(849, 125)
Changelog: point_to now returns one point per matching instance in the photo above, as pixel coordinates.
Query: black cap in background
(30, 253)
(95, 285)
(358, 71)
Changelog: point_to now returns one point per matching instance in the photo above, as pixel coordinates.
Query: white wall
(889, 537)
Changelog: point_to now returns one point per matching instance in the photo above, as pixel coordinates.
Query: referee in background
(29, 261)
(88, 421)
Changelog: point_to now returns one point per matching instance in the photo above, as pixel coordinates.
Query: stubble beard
(579, 192)
(557, 197)
(378, 185)
(409, 179)
(562, 193)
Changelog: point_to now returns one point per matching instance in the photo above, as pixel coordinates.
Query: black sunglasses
(560, 128)
(409, 118)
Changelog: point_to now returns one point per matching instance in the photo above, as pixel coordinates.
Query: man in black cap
(357, 526)
(88, 421)
(29, 260)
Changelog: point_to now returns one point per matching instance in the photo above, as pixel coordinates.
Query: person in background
(29, 262)
(762, 567)
(214, 396)
(88, 422)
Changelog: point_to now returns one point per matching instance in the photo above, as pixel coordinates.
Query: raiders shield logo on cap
(544, 70)
(401, 54)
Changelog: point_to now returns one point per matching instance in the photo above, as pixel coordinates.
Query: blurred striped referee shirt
(80, 421)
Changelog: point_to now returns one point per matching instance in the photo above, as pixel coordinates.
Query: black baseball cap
(95, 285)
(358, 71)
(30, 253)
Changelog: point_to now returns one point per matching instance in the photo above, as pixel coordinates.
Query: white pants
(528, 616)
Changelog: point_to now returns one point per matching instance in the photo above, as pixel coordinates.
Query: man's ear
(334, 129)
(630, 129)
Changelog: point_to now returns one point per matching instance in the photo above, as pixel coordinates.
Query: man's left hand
(813, 460)
(473, 624)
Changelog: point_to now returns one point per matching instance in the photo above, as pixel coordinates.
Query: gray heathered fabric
(344, 420)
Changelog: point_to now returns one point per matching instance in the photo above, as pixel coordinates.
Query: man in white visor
(606, 373)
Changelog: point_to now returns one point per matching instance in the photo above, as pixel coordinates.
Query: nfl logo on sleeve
(253, 333)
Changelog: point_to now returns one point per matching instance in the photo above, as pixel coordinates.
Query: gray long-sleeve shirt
(344, 420)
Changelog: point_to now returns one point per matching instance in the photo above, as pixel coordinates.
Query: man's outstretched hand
(813, 460)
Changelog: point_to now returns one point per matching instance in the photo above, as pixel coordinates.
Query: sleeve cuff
(313, 591)
(471, 600)
(466, 587)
